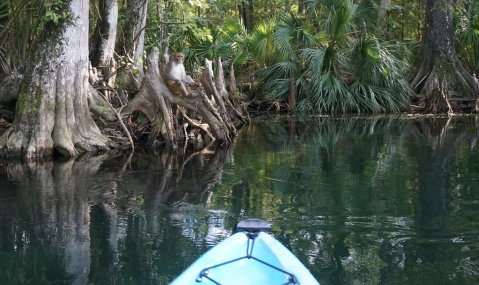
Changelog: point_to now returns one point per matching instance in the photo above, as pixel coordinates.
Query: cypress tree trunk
(246, 11)
(52, 110)
(133, 40)
(241, 12)
(250, 15)
(102, 48)
(156, 102)
(104, 39)
(441, 75)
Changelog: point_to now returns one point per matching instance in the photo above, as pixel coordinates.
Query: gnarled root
(169, 114)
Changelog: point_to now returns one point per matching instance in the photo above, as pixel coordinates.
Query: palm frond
(280, 70)
(21, 26)
(342, 69)
(330, 95)
(291, 34)
(261, 41)
(379, 77)
(467, 35)
(364, 15)
(275, 79)
(314, 59)
(282, 36)
(336, 20)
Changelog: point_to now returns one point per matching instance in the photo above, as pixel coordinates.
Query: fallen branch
(120, 120)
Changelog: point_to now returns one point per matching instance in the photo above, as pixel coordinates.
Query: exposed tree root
(120, 121)
(56, 119)
(204, 113)
(444, 87)
(210, 115)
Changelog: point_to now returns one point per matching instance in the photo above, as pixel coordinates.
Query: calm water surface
(359, 201)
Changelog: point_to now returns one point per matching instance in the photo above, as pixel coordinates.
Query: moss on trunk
(52, 114)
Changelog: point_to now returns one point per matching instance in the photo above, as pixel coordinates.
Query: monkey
(176, 78)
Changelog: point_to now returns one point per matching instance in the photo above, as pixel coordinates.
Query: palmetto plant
(20, 26)
(261, 43)
(4, 14)
(467, 35)
(199, 41)
(337, 66)
(227, 42)
(280, 50)
(378, 75)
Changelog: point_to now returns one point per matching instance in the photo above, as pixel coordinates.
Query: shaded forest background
(306, 56)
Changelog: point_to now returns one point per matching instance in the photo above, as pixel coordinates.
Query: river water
(358, 200)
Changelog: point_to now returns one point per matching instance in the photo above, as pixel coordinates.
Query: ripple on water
(198, 223)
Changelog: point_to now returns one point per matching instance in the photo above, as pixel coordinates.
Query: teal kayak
(249, 256)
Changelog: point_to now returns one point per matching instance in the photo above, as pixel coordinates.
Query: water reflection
(360, 201)
(96, 217)
(51, 219)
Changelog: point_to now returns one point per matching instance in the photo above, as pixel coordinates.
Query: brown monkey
(176, 78)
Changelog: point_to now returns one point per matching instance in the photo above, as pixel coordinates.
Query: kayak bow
(249, 256)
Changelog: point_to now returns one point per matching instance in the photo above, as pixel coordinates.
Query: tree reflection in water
(53, 206)
(359, 200)
(370, 199)
(69, 212)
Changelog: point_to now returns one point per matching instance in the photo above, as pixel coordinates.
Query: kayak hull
(246, 258)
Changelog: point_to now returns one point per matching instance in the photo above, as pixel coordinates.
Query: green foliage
(328, 53)
(21, 25)
(378, 76)
(261, 42)
(335, 68)
(202, 40)
(4, 13)
(467, 34)
(332, 52)
(279, 42)
(291, 34)
(56, 12)
(405, 21)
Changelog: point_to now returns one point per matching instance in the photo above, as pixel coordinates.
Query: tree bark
(104, 38)
(208, 82)
(102, 45)
(382, 14)
(133, 40)
(156, 101)
(220, 79)
(292, 93)
(440, 75)
(246, 10)
(9, 88)
(232, 80)
(52, 110)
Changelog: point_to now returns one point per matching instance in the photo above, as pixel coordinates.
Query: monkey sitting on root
(175, 76)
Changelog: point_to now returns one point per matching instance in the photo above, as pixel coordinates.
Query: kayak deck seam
(249, 255)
